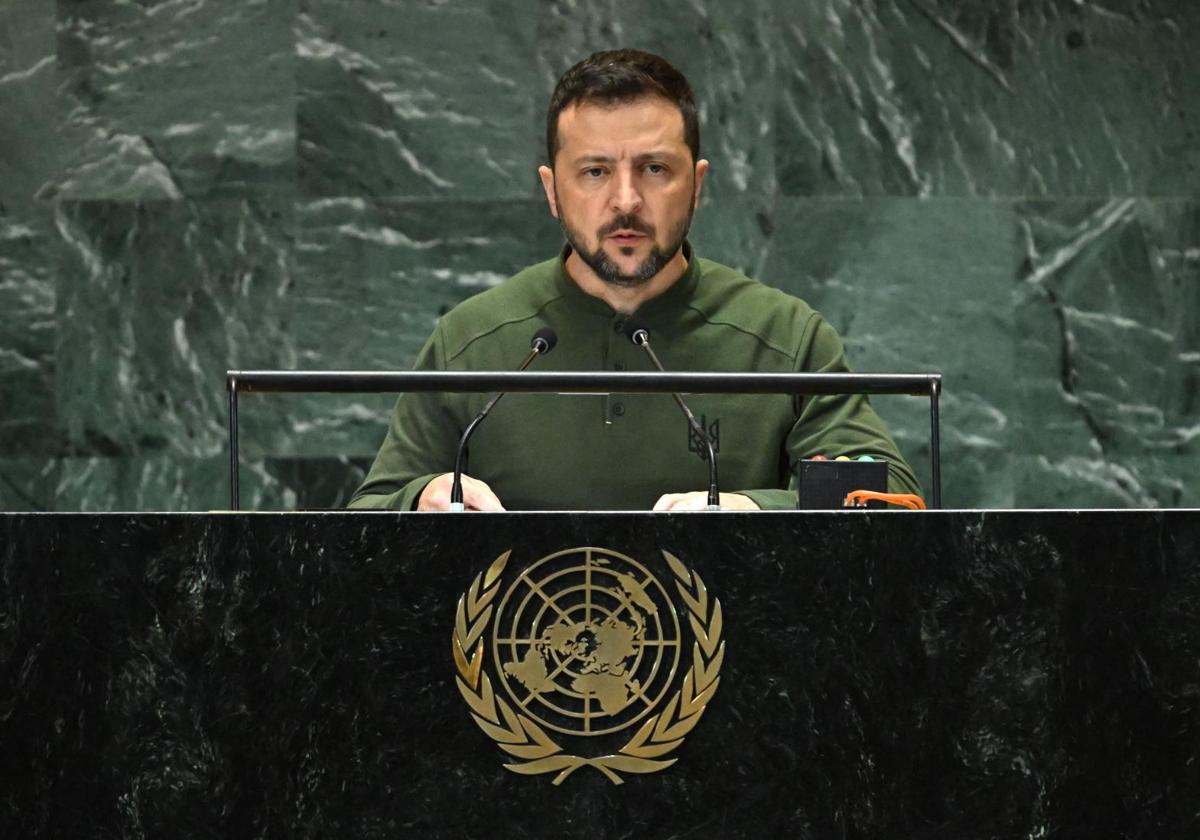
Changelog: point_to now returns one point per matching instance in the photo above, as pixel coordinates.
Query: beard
(607, 270)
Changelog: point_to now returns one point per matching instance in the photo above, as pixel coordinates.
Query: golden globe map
(582, 642)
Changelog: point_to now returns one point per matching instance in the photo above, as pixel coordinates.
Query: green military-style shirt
(623, 451)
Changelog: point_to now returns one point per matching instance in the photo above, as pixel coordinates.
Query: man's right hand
(476, 494)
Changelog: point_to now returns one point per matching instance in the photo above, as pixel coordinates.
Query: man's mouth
(627, 231)
(627, 237)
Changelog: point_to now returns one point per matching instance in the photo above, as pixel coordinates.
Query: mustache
(626, 223)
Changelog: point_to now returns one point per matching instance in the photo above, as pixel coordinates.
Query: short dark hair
(618, 76)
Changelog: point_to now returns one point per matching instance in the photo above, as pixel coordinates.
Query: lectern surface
(857, 674)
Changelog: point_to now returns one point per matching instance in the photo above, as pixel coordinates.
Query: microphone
(542, 343)
(637, 332)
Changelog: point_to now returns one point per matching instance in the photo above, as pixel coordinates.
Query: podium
(883, 674)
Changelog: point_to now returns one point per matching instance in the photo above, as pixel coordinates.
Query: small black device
(824, 483)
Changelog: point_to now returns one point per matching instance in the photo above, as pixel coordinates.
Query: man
(623, 179)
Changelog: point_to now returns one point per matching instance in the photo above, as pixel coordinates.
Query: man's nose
(626, 199)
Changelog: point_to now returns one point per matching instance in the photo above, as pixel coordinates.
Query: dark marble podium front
(946, 674)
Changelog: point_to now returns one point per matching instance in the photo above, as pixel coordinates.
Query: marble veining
(1005, 193)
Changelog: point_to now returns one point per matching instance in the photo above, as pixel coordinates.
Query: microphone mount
(640, 336)
(542, 343)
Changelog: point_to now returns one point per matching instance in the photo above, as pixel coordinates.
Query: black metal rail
(381, 382)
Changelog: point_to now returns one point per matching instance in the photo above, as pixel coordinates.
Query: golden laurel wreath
(523, 738)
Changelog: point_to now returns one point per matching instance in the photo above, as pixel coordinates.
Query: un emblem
(587, 643)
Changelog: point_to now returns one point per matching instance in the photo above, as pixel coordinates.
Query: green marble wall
(1007, 192)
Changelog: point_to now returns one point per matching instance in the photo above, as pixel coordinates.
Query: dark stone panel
(941, 675)
(166, 99)
(918, 286)
(156, 301)
(1029, 98)
(875, 100)
(29, 249)
(318, 483)
(174, 482)
(326, 428)
(29, 146)
(1108, 103)
(1108, 353)
(372, 278)
(736, 231)
(28, 484)
(417, 99)
(142, 482)
(394, 266)
(729, 52)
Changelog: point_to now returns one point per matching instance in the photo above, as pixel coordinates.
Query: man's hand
(476, 494)
(699, 501)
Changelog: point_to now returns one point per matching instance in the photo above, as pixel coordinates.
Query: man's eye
(594, 172)
(655, 168)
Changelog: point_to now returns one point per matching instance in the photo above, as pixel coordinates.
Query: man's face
(624, 186)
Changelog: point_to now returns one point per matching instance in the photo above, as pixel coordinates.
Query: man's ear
(701, 171)
(547, 176)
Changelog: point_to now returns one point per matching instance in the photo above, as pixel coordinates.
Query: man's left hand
(699, 501)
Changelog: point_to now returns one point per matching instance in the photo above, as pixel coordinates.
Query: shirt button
(618, 325)
(618, 409)
(619, 366)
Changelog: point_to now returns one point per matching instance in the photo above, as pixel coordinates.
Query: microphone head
(544, 340)
(636, 331)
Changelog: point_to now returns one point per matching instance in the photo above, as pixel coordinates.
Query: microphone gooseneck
(638, 333)
(543, 342)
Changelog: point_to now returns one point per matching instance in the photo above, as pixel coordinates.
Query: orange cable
(859, 498)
